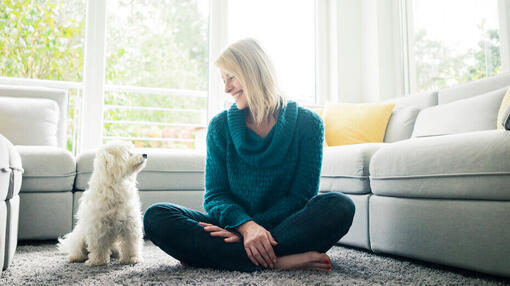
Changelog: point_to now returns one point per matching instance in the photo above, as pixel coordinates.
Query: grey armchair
(10, 184)
(34, 120)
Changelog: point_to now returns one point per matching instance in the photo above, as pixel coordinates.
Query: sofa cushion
(401, 124)
(472, 165)
(165, 170)
(345, 168)
(39, 120)
(57, 95)
(46, 169)
(472, 114)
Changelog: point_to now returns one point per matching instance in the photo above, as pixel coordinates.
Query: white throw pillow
(401, 124)
(472, 114)
(29, 121)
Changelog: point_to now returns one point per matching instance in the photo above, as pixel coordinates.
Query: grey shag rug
(39, 263)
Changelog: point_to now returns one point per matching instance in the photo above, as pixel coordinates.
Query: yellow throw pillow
(347, 123)
(504, 104)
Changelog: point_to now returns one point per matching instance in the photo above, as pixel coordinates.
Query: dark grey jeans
(316, 227)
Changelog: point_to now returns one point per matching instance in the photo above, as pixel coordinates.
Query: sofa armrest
(10, 168)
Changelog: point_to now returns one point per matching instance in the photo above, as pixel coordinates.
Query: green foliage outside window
(43, 39)
(437, 64)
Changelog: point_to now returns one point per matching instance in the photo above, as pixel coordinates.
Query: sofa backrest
(468, 107)
(473, 88)
(420, 100)
(53, 101)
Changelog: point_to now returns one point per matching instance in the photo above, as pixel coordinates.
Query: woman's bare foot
(310, 260)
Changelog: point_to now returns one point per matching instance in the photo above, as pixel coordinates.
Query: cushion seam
(155, 171)
(345, 176)
(439, 175)
(153, 190)
(48, 176)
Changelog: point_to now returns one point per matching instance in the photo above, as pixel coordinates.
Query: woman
(261, 180)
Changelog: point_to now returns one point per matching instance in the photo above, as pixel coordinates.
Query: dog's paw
(77, 258)
(91, 262)
(131, 260)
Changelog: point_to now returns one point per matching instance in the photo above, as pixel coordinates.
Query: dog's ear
(112, 166)
(107, 160)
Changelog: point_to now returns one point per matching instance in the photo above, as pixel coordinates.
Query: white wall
(345, 54)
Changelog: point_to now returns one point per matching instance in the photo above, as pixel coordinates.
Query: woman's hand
(258, 243)
(217, 231)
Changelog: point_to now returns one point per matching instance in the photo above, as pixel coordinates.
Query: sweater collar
(268, 151)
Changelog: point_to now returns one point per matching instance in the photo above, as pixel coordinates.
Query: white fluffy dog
(109, 215)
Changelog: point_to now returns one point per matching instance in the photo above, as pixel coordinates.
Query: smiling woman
(234, 87)
(263, 164)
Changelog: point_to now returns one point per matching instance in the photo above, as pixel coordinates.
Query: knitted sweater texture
(262, 179)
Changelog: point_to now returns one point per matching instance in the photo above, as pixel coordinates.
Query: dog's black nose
(144, 155)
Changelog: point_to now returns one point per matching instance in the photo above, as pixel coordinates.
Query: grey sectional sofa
(442, 195)
(435, 190)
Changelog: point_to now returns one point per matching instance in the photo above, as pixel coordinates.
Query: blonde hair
(250, 64)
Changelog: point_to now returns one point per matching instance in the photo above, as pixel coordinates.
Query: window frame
(91, 131)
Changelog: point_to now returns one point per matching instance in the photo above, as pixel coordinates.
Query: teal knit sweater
(262, 179)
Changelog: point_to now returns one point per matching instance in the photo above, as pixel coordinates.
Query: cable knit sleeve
(307, 174)
(218, 201)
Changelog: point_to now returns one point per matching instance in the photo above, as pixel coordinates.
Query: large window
(156, 71)
(452, 42)
(156, 90)
(286, 29)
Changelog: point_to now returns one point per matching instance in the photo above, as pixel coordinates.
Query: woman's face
(234, 88)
